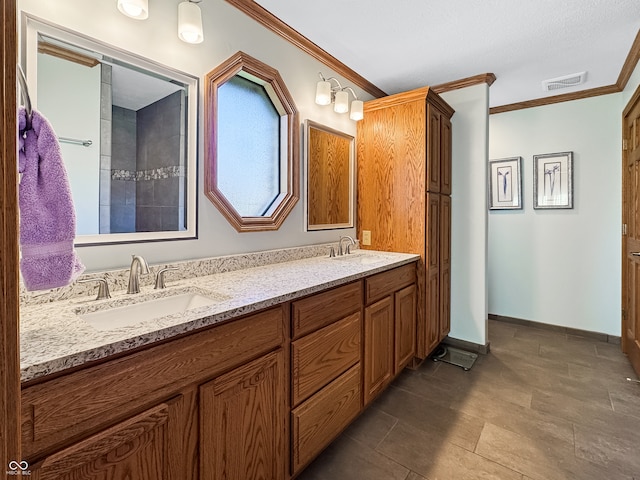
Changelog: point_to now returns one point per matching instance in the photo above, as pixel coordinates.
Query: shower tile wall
(123, 166)
(105, 148)
(160, 156)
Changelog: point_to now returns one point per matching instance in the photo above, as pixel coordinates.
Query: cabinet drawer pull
(635, 254)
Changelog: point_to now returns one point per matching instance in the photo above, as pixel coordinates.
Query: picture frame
(505, 184)
(553, 181)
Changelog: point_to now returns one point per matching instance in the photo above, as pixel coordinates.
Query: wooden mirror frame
(332, 180)
(9, 282)
(241, 62)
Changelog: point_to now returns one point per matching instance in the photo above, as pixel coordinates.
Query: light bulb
(190, 23)
(356, 110)
(323, 93)
(342, 102)
(138, 9)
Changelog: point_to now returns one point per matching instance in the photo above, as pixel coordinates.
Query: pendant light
(138, 9)
(190, 22)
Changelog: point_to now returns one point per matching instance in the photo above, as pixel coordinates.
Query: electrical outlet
(366, 237)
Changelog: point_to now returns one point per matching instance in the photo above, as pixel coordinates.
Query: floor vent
(564, 82)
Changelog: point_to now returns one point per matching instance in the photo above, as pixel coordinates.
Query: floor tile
(626, 401)
(515, 418)
(542, 405)
(612, 448)
(348, 459)
(434, 459)
(444, 423)
(371, 427)
(415, 476)
(540, 461)
(585, 358)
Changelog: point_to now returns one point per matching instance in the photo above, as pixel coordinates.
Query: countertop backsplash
(118, 279)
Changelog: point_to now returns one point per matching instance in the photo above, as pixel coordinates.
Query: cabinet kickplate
(455, 356)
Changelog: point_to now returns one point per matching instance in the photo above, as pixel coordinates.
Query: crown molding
(487, 78)
(627, 69)
(273, 23)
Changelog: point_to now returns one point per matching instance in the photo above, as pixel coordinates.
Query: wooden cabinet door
(242, 422)
(433, 149)
(432, 266)
(631, 241)
(445, 155)
(378, 347)
(134, 449)
(320, 419)
(405, 327)
(445, 266)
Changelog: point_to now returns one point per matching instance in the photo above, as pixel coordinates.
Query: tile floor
(543, 405)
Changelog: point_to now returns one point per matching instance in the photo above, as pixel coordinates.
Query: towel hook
(25, 96)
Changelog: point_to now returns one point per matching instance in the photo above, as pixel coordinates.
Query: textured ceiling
(404, 44)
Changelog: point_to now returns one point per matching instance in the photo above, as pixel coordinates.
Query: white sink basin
(129, 315)
(361, 258)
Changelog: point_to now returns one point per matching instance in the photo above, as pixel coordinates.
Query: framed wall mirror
(127, 129)
(329, 178)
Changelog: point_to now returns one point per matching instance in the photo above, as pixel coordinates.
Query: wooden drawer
(321, 309)
(385, 283)
(322, 418)
(71, 406)
(321, 356)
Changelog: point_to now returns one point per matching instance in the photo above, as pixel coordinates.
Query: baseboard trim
(603, 337)
(468, 346)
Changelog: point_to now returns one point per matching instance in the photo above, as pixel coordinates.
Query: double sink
(140, 308)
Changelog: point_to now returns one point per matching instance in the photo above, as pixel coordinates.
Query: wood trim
(277, 26)
(487, 78)
(567, 97)
(9, 296)
(627, 69)
(629, 64)
(287, 200)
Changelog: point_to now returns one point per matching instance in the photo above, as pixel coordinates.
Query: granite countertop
(54, 336)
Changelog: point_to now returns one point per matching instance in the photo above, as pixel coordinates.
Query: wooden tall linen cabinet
(404, 196)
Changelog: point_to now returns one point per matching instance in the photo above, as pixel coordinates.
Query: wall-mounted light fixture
(326, 93)
(138, 9)
(190, 22)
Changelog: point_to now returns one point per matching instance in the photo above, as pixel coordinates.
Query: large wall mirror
(127, 128)
(329, 177)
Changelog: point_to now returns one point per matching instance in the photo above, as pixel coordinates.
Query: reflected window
(251, 144)
(248, 147)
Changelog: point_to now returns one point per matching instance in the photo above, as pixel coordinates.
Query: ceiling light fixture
(190, 22)
(326, 93)
(138, 9)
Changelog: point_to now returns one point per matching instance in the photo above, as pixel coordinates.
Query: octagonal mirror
(251, 144)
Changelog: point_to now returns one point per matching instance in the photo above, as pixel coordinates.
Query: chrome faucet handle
(138, 264)
(332, 252)
(103, 287)
(348, 250)
(160, 277)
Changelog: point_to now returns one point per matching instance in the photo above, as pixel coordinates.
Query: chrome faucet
(348, 249)
(138, 265)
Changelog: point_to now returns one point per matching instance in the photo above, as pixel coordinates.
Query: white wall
(561, 267)
(469, 218)
(66, 83)
(227, 31)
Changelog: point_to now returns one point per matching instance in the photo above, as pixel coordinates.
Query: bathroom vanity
(254, 386)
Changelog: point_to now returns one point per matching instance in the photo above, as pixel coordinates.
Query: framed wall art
(505, 184)
(553, 180)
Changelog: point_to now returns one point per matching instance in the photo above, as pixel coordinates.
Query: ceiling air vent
(564, 82)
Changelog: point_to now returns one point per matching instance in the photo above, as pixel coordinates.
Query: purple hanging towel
(47, 216)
